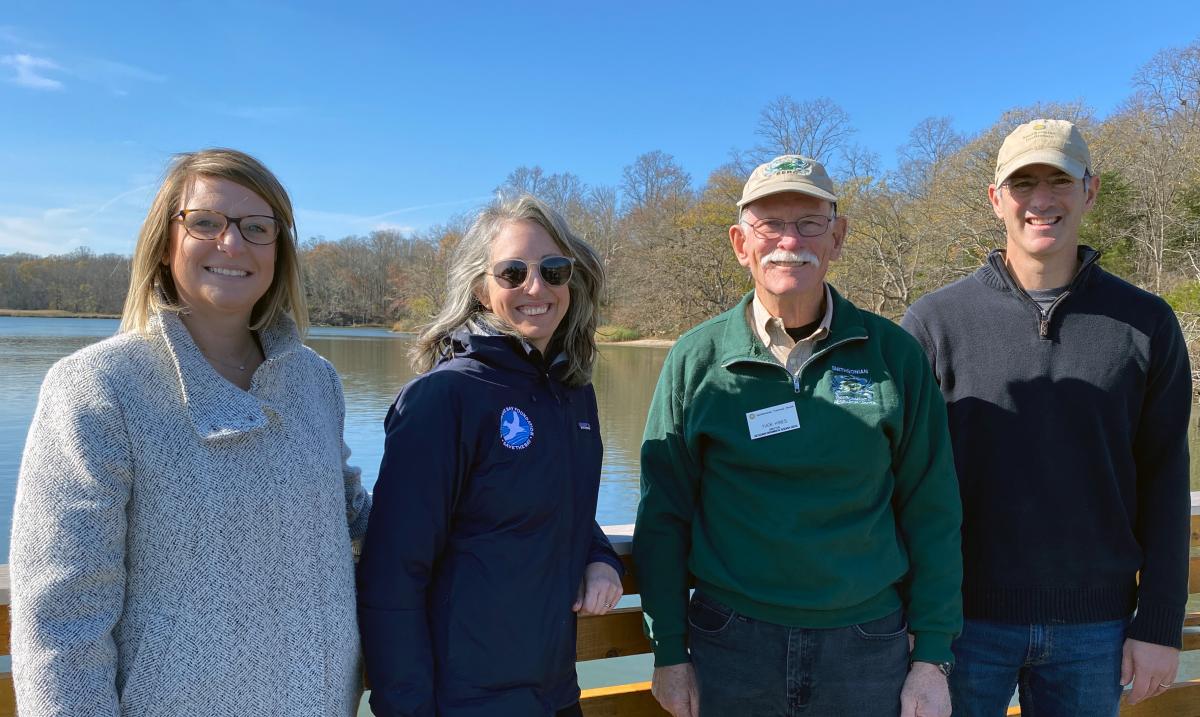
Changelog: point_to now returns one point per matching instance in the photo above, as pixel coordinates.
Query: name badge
(776, 419)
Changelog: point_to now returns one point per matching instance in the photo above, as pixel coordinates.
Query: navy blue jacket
(483, 522)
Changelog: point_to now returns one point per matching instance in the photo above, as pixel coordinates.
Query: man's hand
(674, 686)
(1151, 668)
(599, 590)
(925, 693)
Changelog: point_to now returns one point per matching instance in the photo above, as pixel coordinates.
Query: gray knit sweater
(181, 546)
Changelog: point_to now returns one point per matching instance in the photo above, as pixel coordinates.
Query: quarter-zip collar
(740, 342)
(995, 273)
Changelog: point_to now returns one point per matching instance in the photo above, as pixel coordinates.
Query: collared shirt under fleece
(771, 331)
(1070, 439)
(842, 520)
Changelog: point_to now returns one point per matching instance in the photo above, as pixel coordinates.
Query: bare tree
(654, 179)
(530, 180)
(923, 157)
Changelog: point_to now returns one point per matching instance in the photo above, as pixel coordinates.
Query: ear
(737, 238)
(995, 198)
(1093, 190)
(481, 294)
(840, 227)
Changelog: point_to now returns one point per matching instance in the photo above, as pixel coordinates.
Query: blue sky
(403, 114)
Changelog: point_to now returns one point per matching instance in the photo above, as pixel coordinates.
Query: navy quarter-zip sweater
(1070, 441)
(483, 523)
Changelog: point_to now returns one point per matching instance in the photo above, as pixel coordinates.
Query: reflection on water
(624, 381)
(373, 365)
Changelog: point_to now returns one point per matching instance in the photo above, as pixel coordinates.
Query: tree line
(663, 234)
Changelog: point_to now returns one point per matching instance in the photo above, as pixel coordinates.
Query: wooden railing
(619, 633)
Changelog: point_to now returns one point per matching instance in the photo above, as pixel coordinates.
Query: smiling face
(1045, 224)
(790, 267)
(534, 309)
(225, 276)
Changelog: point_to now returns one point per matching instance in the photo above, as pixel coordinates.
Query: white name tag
(776, 419)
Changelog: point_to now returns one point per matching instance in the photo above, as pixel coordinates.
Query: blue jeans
(1059, 670)
(760, 669)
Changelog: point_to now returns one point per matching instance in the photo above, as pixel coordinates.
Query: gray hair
(469, 264)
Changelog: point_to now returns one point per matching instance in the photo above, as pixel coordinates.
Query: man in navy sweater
(1068, 393)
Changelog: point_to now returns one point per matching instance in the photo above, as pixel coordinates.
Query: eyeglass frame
(529, 266)
(1087, 176)
(181, 217)
(831, 219)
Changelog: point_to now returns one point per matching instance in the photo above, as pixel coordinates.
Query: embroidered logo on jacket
(516, 430)
(585, 426)
(852, 385)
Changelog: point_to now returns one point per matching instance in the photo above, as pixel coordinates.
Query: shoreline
(647, 343)
(56, 314)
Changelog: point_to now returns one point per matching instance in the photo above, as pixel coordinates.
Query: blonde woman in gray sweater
(182, 532)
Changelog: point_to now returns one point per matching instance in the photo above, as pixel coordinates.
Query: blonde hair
(151, 286)
(469, 265)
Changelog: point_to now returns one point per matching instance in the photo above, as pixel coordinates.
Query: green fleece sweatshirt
(841, 520)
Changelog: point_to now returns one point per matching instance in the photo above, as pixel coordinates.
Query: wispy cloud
(349, 223)
(10, 35)
(389, 227)
(116, 77)
(41, 234)
(29, 71)
(36, 72)
(105, 226)
(317, 221)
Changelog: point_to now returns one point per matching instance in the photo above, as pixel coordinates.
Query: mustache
(781, 255)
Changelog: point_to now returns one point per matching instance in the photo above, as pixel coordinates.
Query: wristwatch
(943, 667)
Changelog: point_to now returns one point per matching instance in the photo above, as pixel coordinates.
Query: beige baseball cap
(788, 173)
(1057, 143)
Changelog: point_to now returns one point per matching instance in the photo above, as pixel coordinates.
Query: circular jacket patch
(516, 430)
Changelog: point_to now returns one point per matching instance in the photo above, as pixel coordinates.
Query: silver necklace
(239, 366)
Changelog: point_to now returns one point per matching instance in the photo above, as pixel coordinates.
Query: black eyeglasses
(810, 226)
(207, 225)
(512, 273)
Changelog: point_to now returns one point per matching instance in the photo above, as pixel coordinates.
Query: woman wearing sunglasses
(182, 532)
(483, 545)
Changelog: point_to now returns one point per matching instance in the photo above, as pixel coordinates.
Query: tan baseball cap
(788, 173)
(1057, 143)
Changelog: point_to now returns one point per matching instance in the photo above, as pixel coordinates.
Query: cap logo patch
(516, 430)
(789, 164)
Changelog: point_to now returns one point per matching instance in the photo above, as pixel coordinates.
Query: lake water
(373, 366)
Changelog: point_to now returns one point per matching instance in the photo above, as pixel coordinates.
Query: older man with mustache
(797, 469)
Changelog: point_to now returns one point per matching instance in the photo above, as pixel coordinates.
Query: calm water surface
(373, 366)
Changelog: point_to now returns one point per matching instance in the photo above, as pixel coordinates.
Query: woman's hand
(599, 591)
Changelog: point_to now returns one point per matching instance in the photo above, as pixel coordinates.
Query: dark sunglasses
(512, 273)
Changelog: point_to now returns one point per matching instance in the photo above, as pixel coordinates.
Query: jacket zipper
(822, 352)
(795, 380)
(1044, 317)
